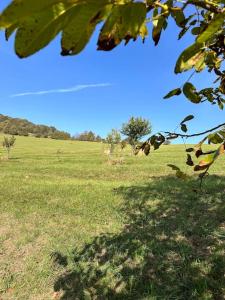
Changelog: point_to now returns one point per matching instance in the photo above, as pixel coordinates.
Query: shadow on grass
(172, 247)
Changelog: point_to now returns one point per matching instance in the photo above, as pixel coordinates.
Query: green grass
(73, 226)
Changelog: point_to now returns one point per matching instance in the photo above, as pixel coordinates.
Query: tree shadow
(172, 247)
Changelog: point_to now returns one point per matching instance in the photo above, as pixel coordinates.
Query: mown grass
(73, 226)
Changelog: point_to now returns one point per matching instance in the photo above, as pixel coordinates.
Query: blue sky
(131, 81)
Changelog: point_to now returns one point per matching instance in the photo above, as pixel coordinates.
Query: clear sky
(131, 81)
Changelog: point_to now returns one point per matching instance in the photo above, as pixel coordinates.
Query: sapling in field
(114, 151)
(8, 143)
(113, 139)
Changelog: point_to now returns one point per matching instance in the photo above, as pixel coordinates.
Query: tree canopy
(135, 129)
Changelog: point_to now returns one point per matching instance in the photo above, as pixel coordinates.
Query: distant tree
(60, 135)
(113, 138)
(91, 136)
(98, 138)
(135, 129)
(88, 136)
(167, 142)
(8, 144)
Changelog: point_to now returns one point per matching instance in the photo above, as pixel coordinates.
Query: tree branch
(206, 5)
(195, 134)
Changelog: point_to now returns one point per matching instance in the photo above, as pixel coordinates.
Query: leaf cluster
(135, 129)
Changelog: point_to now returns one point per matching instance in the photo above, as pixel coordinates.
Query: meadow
(73, 226)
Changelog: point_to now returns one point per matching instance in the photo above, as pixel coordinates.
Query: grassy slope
(74, 227)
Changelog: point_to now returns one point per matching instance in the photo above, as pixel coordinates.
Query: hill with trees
(23, 127)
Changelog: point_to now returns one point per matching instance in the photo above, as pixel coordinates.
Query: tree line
(133, 130)
(88, 136)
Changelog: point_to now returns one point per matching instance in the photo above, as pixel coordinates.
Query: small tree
(8, 144)
(113, 138)
(135, 129)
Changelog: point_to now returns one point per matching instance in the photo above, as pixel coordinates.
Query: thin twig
(195, 134)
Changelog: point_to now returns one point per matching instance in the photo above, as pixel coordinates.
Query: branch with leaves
(187, 136)
(214, 136)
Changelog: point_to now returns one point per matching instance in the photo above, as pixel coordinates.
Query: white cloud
(74, 89)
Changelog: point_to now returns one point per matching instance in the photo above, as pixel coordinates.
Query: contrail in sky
(74, 89)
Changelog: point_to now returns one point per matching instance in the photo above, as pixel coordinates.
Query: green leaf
(158, 26)
(81, 25)
(189, 57)
(215, 138)
(222, 133)
(212, 60)
(198, 61)
(198, 147)
(212, 28)
(184, 128)
(124, 23)
(175, 92)
(147, 149)
(189, 161)
(210, 159)
(38, 30)
(179, 173)
(190, 92)
(21, 9)
(188, 118)
(10, 30)
(196, 30)
(220, 104)
(189, 149)
(173, 167)
(179, 17)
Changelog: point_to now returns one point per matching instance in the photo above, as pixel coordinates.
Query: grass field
(73, 226)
